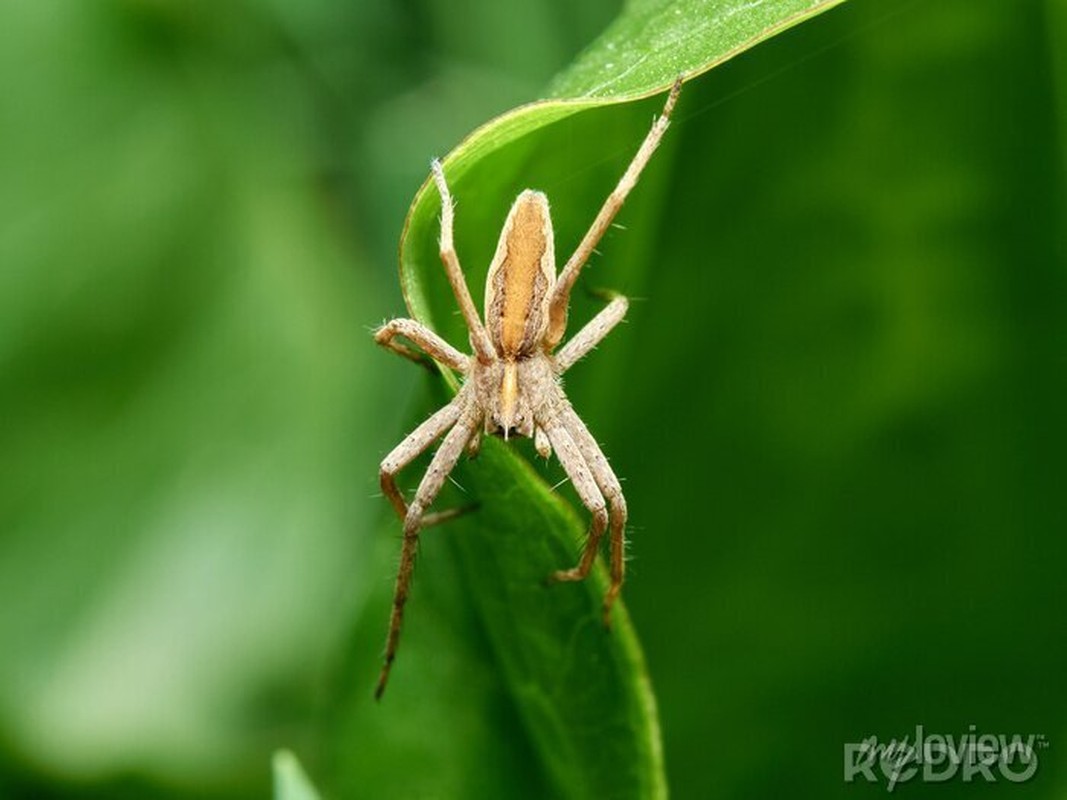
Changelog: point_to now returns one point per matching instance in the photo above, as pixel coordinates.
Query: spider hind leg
(442, 463)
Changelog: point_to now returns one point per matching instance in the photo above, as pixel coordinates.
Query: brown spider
(512, 380)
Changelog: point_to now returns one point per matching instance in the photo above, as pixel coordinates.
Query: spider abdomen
(521, 276)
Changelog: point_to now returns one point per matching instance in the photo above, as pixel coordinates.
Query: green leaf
(536, 663)
(290, 782)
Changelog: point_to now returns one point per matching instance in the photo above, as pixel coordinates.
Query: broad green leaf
(577, 695)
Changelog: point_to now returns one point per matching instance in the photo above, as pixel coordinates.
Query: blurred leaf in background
(838, 408)
(180, 389)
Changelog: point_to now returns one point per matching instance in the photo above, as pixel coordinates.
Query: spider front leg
(480, 341)
(561, 292)
(432, 344)
(444, 460)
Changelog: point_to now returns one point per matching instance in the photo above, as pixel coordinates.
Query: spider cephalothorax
(511, 381)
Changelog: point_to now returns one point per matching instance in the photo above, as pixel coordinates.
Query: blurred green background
(838, 404)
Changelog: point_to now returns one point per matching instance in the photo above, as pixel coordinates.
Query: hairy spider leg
(440, 466)
(562, 291)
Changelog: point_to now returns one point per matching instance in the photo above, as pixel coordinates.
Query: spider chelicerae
(511, 383)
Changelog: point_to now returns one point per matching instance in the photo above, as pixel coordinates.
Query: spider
(511, 381)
